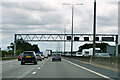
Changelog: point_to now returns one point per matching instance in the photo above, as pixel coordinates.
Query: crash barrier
(110, 62)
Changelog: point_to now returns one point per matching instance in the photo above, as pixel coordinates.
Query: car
(67, 54)
(56, 57)
(79, 54)
(45, 53)
(39, 58)
(42, 56)
(29, 57)
(19, 57)
(102, 55)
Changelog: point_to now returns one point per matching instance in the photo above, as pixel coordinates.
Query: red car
(19, 57)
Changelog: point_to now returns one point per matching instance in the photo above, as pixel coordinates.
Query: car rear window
(79, 53)
(56, 54)
(28, 54)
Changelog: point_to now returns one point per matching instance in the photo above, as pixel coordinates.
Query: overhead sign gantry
(67, 38)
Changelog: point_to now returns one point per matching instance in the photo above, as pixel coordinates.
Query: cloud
(51, 17)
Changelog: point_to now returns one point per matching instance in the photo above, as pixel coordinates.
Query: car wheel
(60, 59)
(40, 59)
(22, 63)
(35, 63)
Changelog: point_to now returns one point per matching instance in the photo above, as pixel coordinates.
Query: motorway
(48, 69)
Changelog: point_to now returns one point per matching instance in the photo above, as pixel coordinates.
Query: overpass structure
(66, 38)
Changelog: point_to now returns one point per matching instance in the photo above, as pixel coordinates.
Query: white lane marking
(41, 65)
(38, 67)
(24, 74)
(34, 73)
(89, 70)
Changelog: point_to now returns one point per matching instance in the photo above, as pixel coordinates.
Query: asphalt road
(48, 69)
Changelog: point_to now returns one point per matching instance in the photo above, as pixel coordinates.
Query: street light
(72, 24)
(94, 28)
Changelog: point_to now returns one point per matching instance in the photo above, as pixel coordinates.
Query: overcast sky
(51, 17)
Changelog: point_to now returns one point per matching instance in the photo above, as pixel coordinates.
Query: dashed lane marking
(34, 73)
(38, 67)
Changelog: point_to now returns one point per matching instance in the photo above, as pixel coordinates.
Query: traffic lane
(18, 70)
(6, 65)
(8, 61)
(10, 65)
(109, 73)
(61, 69)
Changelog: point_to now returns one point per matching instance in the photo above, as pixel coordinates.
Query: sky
(50, 16)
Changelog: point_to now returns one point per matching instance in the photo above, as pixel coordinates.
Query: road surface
(48, 69)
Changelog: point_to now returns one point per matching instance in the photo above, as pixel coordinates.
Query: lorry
(45, 53)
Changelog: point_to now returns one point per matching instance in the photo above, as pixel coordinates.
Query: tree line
(21, 46)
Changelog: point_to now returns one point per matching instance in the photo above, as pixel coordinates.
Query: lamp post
(72, 25)
(94, 29)
(64, 38)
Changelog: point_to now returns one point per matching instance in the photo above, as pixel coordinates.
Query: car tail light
(52, 56)
(60, 56)
(39, 56)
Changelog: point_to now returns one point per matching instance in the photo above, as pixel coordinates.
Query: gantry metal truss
(63, 37)
(60, 37)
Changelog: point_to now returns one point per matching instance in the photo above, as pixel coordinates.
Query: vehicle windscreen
(38, 54)
(104, 54)
(86, 52)
(56, 54)
(79, 53)
(97, 51)
(28, 54)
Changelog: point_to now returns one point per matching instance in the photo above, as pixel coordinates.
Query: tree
(102, 46)
(22, 45)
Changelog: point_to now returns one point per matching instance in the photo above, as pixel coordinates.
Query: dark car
(56, 57)
(19, 57)
(28, 57)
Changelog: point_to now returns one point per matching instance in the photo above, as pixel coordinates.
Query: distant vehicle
(39, 58)
(67, 54)
(45, 53)
(85, 52)
(49, 52)
(19, 57)
(28, 57)
(97, 50)
(73, 54)
(79, 54)
(56, 57)
(102, 55)
(42, 56)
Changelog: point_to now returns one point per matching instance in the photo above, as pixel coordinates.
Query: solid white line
(34, 73)
(89, 70)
